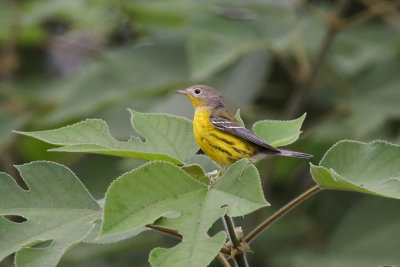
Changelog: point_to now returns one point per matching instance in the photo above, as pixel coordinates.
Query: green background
(64, 61)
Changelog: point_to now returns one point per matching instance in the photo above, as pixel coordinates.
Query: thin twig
(175, 233)
(165, 230)
(223, 260)
(368, 14)
(281, 212)
(240, 258)
(386, 10)
(297, 99)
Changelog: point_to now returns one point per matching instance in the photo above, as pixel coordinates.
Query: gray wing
(239, 131)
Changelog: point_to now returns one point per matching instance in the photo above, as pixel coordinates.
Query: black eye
(197, 91)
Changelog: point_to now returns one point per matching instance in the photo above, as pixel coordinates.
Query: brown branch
(281, 212)
(175, 233)
(223, 260)
(368, 14)
(386, 10)
(305, 82)
(230, 229)
(165, 230)
(240, 257)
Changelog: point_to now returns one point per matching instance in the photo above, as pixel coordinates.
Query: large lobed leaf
(372, 168)
(168, 138)
(156, 189)
(279, 133)
(58, 208)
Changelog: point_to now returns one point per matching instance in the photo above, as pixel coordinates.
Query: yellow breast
(222, 147)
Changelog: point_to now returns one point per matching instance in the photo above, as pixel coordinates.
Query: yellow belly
(222, 147)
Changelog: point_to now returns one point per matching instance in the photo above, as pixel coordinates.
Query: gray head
(204, 96)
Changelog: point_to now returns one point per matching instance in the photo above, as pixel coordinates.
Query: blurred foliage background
(64, 61)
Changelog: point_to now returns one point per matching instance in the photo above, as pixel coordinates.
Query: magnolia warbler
(219, 134)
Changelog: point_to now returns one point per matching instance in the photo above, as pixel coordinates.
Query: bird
(220, 136)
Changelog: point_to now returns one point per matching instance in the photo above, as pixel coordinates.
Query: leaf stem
(281, 212)
(240, 258)
(165, 230)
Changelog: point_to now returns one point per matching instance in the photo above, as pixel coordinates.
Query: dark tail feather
(294, 154)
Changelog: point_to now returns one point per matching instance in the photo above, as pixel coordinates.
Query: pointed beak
(183, 92)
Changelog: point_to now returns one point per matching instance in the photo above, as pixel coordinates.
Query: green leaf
(239, 118)
(372, 168)
(279, 133)
(205, 162)
(239, 187)
(197, 173)
(58, 208)
(92, 236)
(149, 192)
(168, 138)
